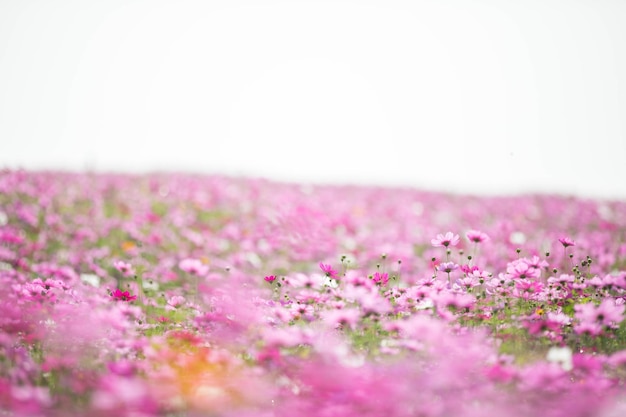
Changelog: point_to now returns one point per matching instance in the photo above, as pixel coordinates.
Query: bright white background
(491, 96)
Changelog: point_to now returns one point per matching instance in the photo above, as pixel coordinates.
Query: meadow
(189, 295)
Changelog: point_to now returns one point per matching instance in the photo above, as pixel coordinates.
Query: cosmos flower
(592, 319)
(448, 267)
(566, 242)
(381, 278)
(193, 266)
(477, 236)
(125, 268)
(449, 239)
(175, 302)
(520, 268)
(118, 295)
(328, 270)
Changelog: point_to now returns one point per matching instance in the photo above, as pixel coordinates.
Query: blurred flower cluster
(168, 295)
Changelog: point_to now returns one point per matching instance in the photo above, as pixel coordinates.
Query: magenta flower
(328, 270)
(469, 269)
(270, 278)
(449, 239)
(381, 278)
(566, 242)
(477, 236)
(118, 295)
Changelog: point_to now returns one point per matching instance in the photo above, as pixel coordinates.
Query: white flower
(90, 279)
(562, 356)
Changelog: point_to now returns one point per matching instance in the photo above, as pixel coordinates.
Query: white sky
(474, 96)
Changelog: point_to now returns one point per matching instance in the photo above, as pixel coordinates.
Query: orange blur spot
(127, 246)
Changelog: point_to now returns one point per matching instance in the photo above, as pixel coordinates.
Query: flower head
(193, 266)
(448, 267)
(522, 268)
(118, 295)
(270, 278)
(477, 236)
(565, 241)
(347, 317)
(381, 278)
(175, 302)
(593, 319)
(125, 268)
(328, 270)
(449, 239)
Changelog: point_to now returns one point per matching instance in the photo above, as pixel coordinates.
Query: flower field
(182, 295)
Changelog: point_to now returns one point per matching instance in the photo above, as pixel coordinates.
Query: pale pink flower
(595, 282)
(449, 239)
(520, 268)
(175, 302)
(537, 262)
(125, 268)
(448, 267)
(467, 282)
(460, 300)
(193, 266)
(348, 317)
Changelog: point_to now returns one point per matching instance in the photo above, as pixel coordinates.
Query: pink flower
(381, 279)
(609, 314)
(469, 269)
(348, 317)
(520, 268)
(592, 319)
(328, 270)
(565, 241)
(125, 268)
(118, 295)
(449, 239)
(468, 282)
(175, 302)
(477, 236)
(270, 278)
(537, 263)
(448, 267)
(527, 285)
(193, 266)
